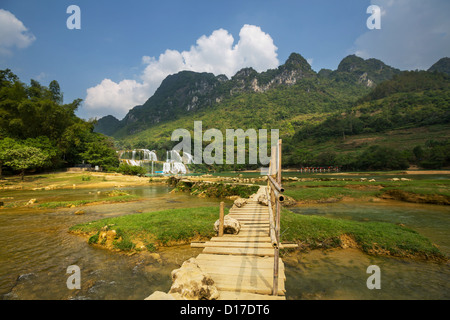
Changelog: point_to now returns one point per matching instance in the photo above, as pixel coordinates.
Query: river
(36, 249)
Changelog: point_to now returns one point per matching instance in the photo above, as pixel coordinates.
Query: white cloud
(216, 54)
(414, 34)
(13, 33)
(110, 97)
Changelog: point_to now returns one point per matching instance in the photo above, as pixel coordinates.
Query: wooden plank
(252, 285)
(241, 239)
(254, 278)
(246, 234)
(239, 271)
(234, 244)
(259, 215)
(240, 251)
(249, 210)
(239, 264)
(250, 226)
(233, 295)
(247, 217)
(252, 260)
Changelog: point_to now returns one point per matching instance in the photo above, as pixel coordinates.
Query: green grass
(321, 190)
(422, 187)
(76, 203)
(371, 237)
(177, 226)
(160, 227)
(324, 193)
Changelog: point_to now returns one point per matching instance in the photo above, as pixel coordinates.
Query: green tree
(55, 90)
(6, 145)
(24, 157)
(100, 152)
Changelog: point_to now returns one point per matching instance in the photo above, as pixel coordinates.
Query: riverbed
(36, 249)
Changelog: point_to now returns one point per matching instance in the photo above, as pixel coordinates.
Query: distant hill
(443, 65)
(107, 125)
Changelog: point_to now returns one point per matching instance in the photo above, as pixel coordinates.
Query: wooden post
(277, 223)
(221, 217)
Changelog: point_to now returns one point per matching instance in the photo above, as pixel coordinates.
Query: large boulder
(191, 283)
(230, 225)
(239, 202)
(262, 199)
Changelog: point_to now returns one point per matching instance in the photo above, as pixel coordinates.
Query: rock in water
(190, 282)
(230, 225)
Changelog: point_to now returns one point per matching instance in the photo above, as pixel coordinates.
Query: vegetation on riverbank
(74, 180)
(326, 190)
(375, 238)
(147, 231)
(77, 203)
(210, 189)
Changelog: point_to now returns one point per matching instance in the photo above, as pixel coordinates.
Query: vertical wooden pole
(277, 223)
(279, 162)
(221, 217)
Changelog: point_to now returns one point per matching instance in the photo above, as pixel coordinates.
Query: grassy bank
(77, 180)
(148, 231)
(153, 229)
(376, 238)
(326, 190)
(77, 203)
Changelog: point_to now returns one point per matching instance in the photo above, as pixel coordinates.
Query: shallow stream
(36, 249)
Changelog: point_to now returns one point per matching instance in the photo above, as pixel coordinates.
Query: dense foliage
(38, 131)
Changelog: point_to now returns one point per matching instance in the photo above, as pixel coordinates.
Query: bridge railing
(274, 199)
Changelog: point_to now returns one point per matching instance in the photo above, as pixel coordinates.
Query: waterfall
(175, 156)
(149, 155)
(187, 158)
(175, 164)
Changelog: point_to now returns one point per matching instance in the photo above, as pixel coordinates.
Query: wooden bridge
(247, 266)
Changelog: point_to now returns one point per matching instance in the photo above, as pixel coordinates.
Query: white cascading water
(175, 164)
(187, 158)
(144, 155)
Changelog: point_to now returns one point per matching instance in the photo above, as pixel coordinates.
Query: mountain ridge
(187, 92)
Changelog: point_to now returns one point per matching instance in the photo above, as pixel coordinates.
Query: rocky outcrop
(230, 225)
(191, 283)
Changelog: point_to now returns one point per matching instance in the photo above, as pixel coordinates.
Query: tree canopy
(38, 131)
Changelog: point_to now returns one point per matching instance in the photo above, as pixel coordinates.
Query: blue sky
(125, 48)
